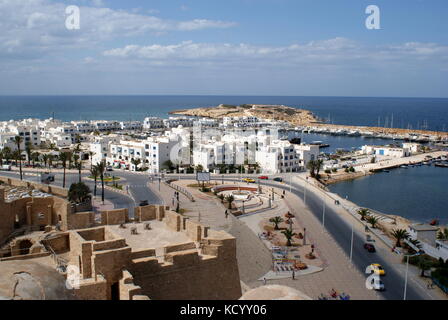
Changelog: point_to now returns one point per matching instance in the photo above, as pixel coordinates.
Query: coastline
(300, 117)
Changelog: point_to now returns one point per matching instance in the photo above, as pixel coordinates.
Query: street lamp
(304, 192)
(406, 276)
(290, 183)
(351, 246)
(323, 216)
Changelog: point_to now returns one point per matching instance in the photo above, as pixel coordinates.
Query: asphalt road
(119, 200)
(342, 232)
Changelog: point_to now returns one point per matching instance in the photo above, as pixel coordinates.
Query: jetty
(398, 162)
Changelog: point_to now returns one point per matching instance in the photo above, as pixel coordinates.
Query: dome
(30, 280)
(274, 292)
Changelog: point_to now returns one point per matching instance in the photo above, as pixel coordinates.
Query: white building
(153, 123)
(427, 236)
(174, 122)
(386, 151)
(413, 147)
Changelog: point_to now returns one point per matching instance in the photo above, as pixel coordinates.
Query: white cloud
(33, 27)
(337, 52)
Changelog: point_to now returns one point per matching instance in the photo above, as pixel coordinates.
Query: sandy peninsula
(295, 116)
(275, 112)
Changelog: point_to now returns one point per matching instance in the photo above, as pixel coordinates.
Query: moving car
(278, 179)
(109, 168)
(377, 284)
(377, 269)
(249, 180)
(369, 247)
(46, 177)
(263, 177)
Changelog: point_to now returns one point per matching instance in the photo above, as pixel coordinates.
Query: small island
(294, 116)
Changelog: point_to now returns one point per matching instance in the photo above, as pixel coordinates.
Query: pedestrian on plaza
(227, 214)
(293, 274)
(264, 281)
(312, 248)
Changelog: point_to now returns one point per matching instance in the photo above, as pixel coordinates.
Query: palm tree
(443, 235)
(91, 153)
(222, 197)
(423, 264)
(230, 198)
(18, 140)
(78, 165)
(399, 234)
(28, 150)
(35, 157)
(63, 157)
(51, 158)
(7, 154)
(69, 159)
(288, 234)
(94, 172)
(372, 220)
(276, 221)
(311, 165)
(45, 158)
(101, 167)
(363, 212)
(318, 165)
(168, 164)
(135, 162)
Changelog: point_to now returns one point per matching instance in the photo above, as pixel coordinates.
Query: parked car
(144, 203)
(263, 177)
(6, 167)
(249, 180)
(109, 168)
(377, 269)
(369, 247)
(278, 179)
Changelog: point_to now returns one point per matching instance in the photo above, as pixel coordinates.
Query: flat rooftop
(159, 236)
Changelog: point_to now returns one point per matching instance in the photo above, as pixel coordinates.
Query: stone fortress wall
(202, 267)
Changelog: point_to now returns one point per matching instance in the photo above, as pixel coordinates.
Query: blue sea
(419, 193)
(415, 113)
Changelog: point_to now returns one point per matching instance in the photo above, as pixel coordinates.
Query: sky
(232, 47)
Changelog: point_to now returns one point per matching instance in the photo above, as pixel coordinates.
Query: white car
(377, 284)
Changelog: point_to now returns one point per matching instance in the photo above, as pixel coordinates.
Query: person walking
(293, 274)
(264, 281)
(227, 214)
